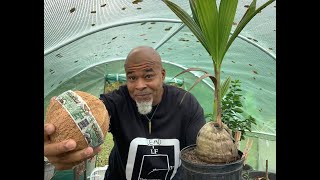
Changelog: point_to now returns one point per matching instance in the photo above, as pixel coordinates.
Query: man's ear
(163, 72)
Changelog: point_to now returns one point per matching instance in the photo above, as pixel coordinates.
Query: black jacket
(136, 153)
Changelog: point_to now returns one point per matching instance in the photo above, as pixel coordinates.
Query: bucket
(192, 171)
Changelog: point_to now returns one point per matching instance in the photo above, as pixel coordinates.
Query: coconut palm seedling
(211, 24)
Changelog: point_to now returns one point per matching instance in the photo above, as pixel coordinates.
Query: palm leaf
(244, 21)
(189, 22)
(225, 87)
(227, 11)
(207, 15)
(190, 69)
(250, 10)
(213, 79)
(194, 12)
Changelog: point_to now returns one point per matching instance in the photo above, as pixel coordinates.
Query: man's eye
(148, 76)
(131, 78)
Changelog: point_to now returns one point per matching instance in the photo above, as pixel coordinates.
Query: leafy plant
(211, 24)
(232, 113)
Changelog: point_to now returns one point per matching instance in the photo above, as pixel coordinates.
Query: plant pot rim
(259, 173)
(209, 164)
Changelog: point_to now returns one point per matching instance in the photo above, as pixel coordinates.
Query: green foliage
(232, 114)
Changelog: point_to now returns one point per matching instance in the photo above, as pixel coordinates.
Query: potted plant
(215, 154)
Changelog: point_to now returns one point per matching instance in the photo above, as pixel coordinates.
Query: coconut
(215, 144)
(66, 128)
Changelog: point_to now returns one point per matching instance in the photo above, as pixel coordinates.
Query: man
(148, 123)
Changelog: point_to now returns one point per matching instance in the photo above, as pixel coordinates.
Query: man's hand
(61, 154)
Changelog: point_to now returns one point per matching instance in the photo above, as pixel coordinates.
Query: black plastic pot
(192, 171)
(258, 174)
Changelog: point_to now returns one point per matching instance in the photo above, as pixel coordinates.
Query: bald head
(145, 76)
(143, 54)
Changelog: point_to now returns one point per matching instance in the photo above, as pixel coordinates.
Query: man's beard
(144, 107)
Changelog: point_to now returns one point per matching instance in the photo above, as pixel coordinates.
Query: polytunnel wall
(85, 40)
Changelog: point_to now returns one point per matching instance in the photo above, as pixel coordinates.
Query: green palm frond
(227, 11)
(207, 15)
(190, 69)
(213, 79)
(190, 23)
(250, 13)
(225, 87)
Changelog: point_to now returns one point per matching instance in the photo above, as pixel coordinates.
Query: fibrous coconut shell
(66, 128)
(215, 144)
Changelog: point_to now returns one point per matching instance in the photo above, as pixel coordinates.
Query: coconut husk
(65, 126)
(215, 144)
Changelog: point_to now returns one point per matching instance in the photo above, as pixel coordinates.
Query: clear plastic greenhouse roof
(85, 40)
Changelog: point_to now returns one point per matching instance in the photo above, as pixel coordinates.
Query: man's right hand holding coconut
(75, 127)
(61, 154)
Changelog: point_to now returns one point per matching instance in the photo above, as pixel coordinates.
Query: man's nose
(140, 84)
